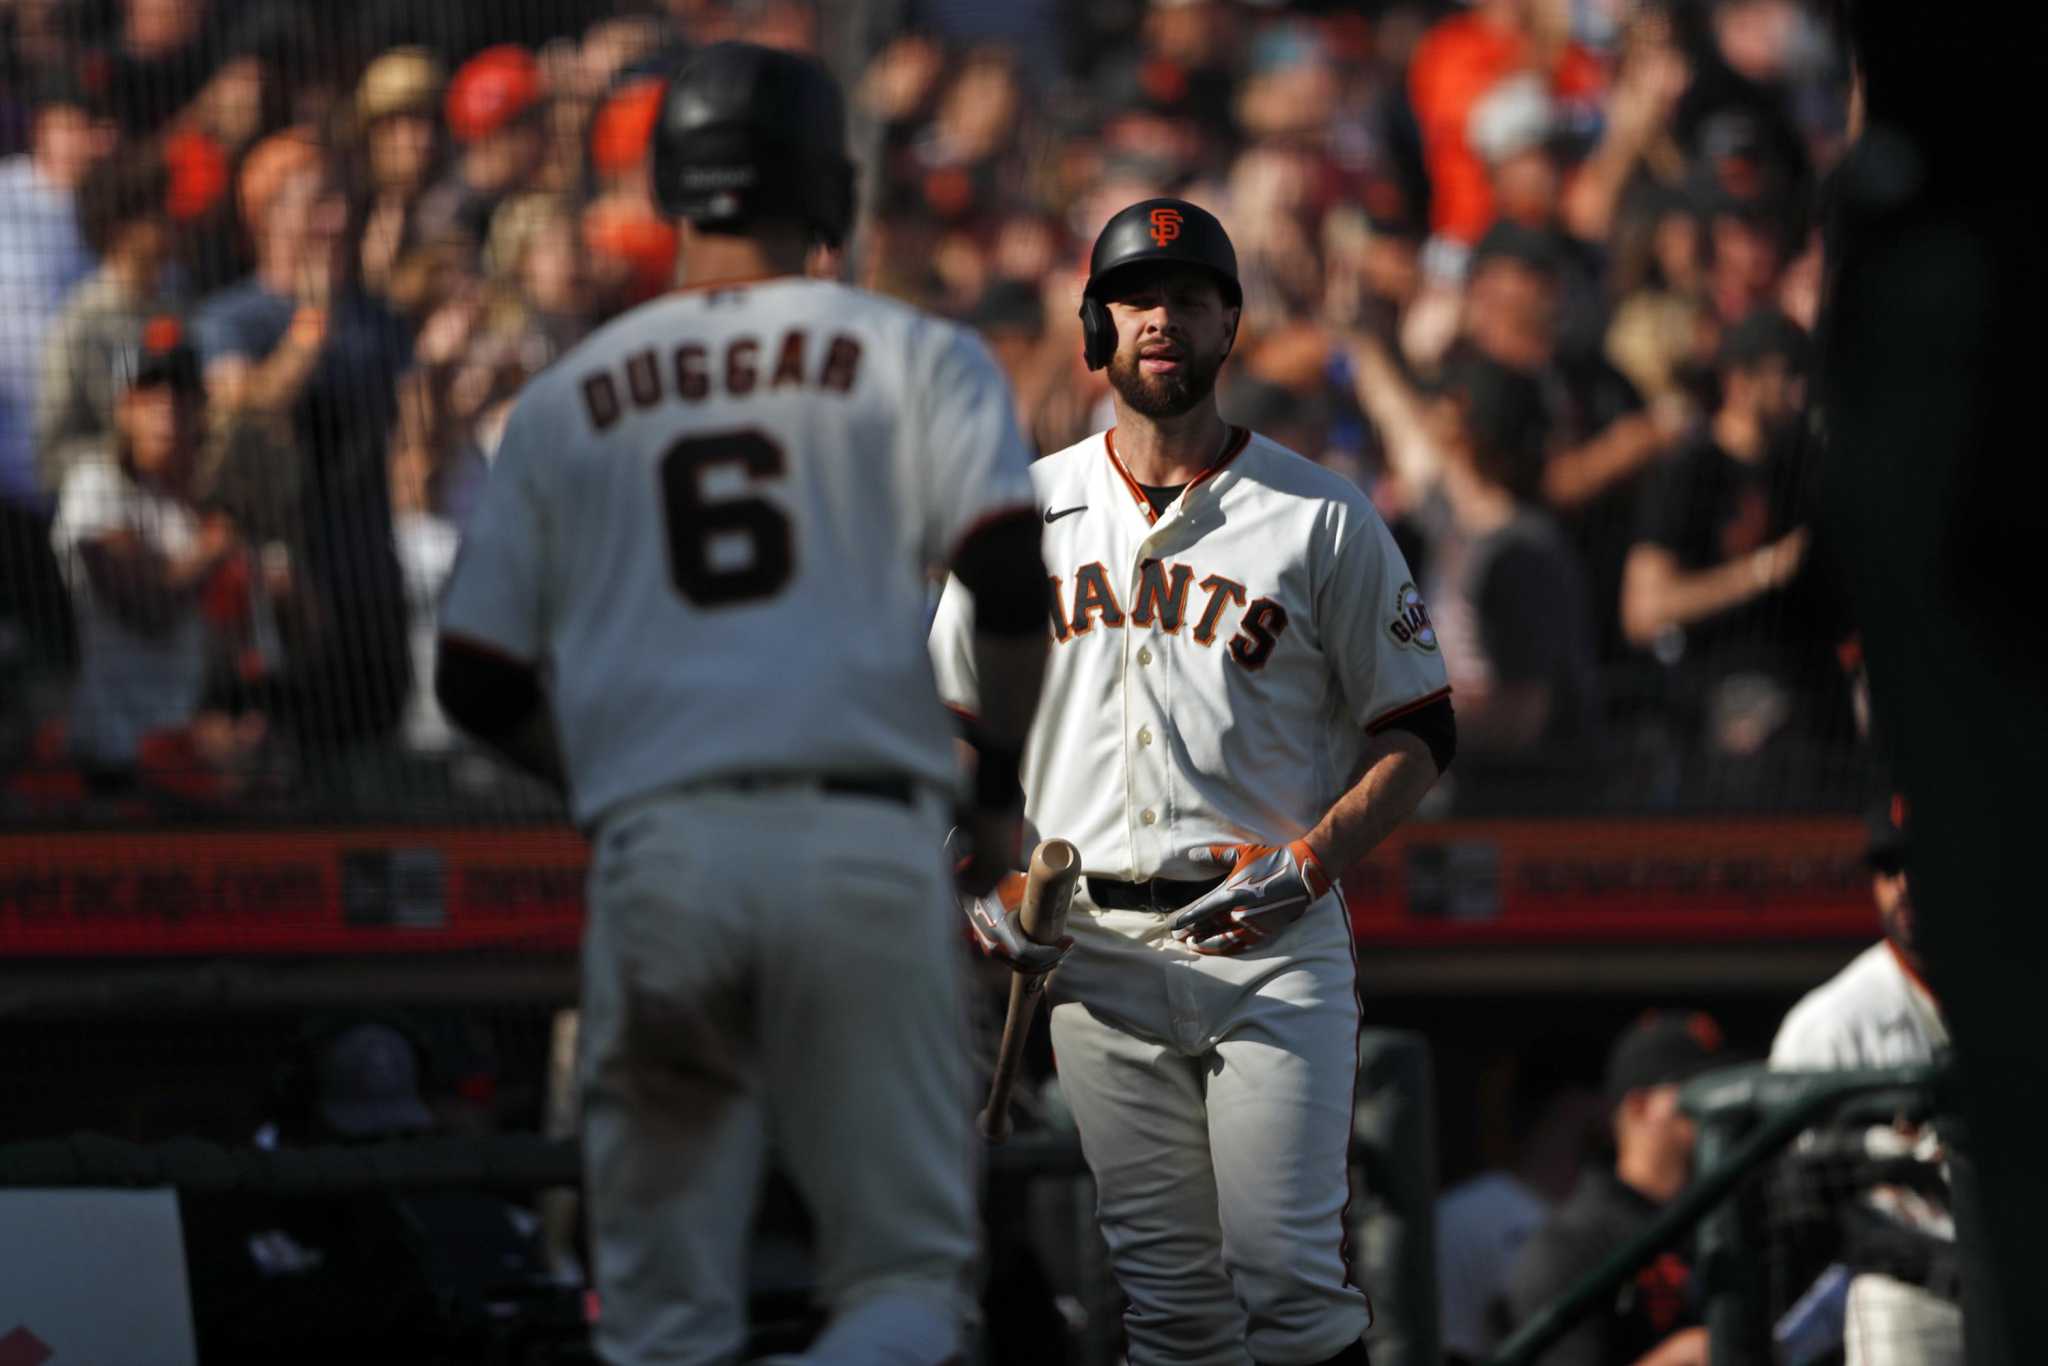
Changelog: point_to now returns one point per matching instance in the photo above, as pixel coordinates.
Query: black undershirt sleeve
(1001, 564)
(486, 693)
(1436, 725)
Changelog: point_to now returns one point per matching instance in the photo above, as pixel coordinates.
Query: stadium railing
(1747, 1117)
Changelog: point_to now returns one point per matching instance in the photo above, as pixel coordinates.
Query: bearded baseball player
(697, 589)
(1244, 698)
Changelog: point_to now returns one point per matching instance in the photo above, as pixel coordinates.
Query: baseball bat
(1048, 892)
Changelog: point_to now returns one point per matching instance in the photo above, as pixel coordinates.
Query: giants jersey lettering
(715, 522)
(1215, 669)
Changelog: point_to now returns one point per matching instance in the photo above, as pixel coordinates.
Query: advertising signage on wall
(350, 891)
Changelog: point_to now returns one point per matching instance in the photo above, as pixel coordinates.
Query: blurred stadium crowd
(1539, 273)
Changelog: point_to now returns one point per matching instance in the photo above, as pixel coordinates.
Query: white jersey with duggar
(715, 522)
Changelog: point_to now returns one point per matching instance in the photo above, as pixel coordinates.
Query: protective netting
(1543, 287)
(1541, 278)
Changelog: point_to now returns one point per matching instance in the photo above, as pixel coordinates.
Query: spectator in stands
(1655, 1320)
(1636, 149)
(1644, 173)
(141, 553)
(1503, 585)
(1896, 1236)
(123, 213)
(495, 107)
(1010, 316)
(1735, 118)
(1457, 65)
(632, 244)
(304, 368)
(1547, 1127)
(1711, 582)
(537, 281)
(396, 107)
(1512, 129)
(159, 55)
(1745, 252)
(1272, 191)
(43, 256)
(1602, 438)
(1661, 333)
(1185, 65)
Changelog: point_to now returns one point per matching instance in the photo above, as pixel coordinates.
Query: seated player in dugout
(1654, 1318)
(1245, 697)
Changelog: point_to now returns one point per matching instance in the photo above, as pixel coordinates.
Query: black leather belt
(886, 787)
(1158, 894)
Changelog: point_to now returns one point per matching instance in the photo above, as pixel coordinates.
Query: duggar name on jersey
(1161, 604)
(743, 367)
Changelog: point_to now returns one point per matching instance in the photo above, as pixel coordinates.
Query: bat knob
(994, 1123)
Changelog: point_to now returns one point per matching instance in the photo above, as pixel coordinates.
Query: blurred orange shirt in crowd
(1455, 64)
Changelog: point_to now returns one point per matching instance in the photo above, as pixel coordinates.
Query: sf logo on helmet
(1165, 225)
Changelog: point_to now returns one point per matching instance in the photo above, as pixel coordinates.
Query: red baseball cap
(491, 90)
(625, 125)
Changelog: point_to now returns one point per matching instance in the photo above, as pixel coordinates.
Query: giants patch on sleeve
(1411, 626)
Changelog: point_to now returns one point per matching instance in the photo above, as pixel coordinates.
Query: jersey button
(1148, 816)
(1144, 656)
(1144, 735)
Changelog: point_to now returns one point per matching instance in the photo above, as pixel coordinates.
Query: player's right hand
(996, 926)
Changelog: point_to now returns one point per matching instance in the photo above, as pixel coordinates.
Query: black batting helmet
(1149, 232)
(749, 134)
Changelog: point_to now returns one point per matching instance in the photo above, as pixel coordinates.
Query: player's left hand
(1266, 889)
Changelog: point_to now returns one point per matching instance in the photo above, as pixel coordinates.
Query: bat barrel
(1049, 890)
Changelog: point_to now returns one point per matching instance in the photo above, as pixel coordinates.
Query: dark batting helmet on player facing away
(750, 134)
(1149, 232)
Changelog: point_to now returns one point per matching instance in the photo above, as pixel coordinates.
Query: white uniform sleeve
(976, 463)
(497, 591)
(952, 648)
(1374, 625)
(1808, 1039)
(89, 505)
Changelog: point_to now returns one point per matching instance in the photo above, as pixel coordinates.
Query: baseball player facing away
(1244, 698)
(702, 563)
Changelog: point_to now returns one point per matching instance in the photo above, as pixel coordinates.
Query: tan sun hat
(405, 80)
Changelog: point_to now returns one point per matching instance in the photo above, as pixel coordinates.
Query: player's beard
(1164, 395)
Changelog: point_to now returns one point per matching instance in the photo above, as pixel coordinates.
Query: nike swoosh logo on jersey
(1051, 516)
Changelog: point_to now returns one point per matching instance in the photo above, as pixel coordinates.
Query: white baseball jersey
(714, 521)
(1877, 1013)
(1215, 669)
(130, 682)
(1873, 1013)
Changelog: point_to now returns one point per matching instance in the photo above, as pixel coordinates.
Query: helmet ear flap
(1098, 332)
